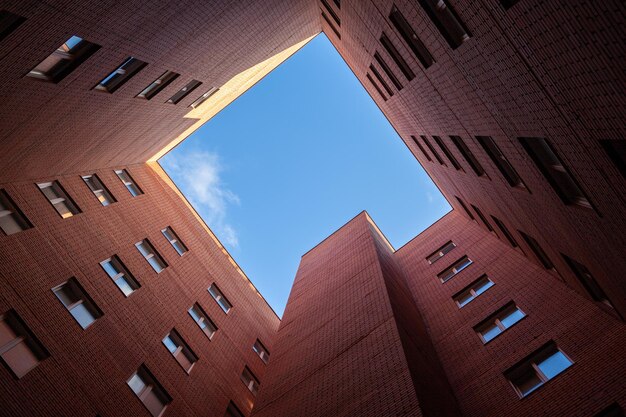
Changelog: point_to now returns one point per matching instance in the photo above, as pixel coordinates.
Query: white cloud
(197, 174)
(430, 197)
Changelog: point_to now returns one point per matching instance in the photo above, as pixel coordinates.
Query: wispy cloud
(430, 197)
(198, 175)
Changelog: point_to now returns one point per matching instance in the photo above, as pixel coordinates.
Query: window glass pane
(490, 332)
(110, 269)
(464, 299)
(194, 313)
(155, 263)
(512, 318)
(169, 344)
(123, 285)
(82, 315)
(528, 382)
(136, 384)
(554, 364)
(20, 359)
(483, 286)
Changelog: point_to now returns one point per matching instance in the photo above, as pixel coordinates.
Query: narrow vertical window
(123, 73)
(332, 26)
(390, 74)
(410, 37)
(505, 231)
(151, 255)
(174, 240)
(12, 220)
(233, 411)
(120, 275)
(448, 154)
(202, 320)
(381, 81)
(219, 298)
(183, 92)
(498, 322)
(376, 87)
(397, 58)
(157, 85)
(483, 218)
(337, 3)
(469, 156)
(149, 391)
(555, 172)
(331, 12)
(9, 22)
(65, 59)
(454, 269)
(19, 348)
(260, 350)
(441, 252)
(248, 378)
(507, 4)
(421, 148)
(537, 250)
(179, 349)
(446, 21)
(464, 207)
(433, 150)
(501, 162)
(204, 97)
(588, 282)
(128, 182)
(77, 302)
(469, 293)
(60, 200)
(616, 150)
(99, 190)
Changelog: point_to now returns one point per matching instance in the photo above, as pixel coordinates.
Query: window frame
(496, 319)
(63, 60)
(131, 182)
(102, 190)
(150, 384)
(156, 86)
(184, 92)
(182, 348)
(220, 296)
(76, 290)
(471, 290)
(408, 34)
(155, 254)
(502, 163)
(130, 67)
(23, 334)
(441, 252)
(116, 263)
(204, 318)
(62, 198)
(444, 277)
(175, 240)
(8, 208)
(253, 383)
(261, 351)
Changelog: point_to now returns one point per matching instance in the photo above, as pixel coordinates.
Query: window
(19, 349)
(183, 92)
(505, 231)
(337, 3)
(174, 240)
(250, 380)
(149, 391)
(472, 291)
(439, 253)
(59, 199)
(497, 157)
(120, 275)
(334, 29)
(616, 150)
(152, 256)
(397, 58)
(448, 154)
(381, 81)
(9, 22)
(421, 148)
(376, 87)
(388, 71)
(469, 156)
(123, 73)
(483, 218)
(219, 298)
(204, 97)
(12, 220)
(261, 351)
(588, 282)
(98, 189)
(555, 172)
(157, 85)
(447, 22)
(454, 269)
(331, 12)
(77, 302)
(180, 350)
(507, 4)
(410, 37)
(613, 410)
(498, 322)
(464, 207)
(432, 150)
(128, 181)
(537, 369)
(233, 411)
(65, 59)
(202, 320)
(537, 250)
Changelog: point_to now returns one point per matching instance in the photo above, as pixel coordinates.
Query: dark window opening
(397, 58)
(448, 154)
(469, 156)
(432, 150)
(616, 150)
(500, 161)
(447, 21)
(157, 85)
(183, 92)
(9, 22)
(421, 148)
(483, 218)
(376, 87)
(410, 37)
(588, 282)
(325, 16)
(505, 231)
(388, 71)
(537, 250)
(381, 81)
(65, 59)
(121, 75)
(331, 12)
(465, 208)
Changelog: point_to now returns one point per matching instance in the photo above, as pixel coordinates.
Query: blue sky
(292, 160)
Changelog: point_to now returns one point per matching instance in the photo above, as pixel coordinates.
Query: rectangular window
(613, 410)
(381, 81)
(120, 275)
(446, 21)
(149, 391)
(376, 87)
(454, 269)
(421, 148)
(65, 59)
(410, 37)
(59, 199)
(157, 85)
(183, 92)
(219, 298)
(537, 369)
(9, 22)
(588, 282)
(233, 411)
(432, 150)
(12, 220)
(537, 250)
(388, 71)
(250, 380)
(180, 350)
(497, 157)
(555, 172)
(204, 97)
(469, 293)
(498, 322)
(123, 73)
(173, 238)
(128, 181)
(77, 302)
(448, 154)
(334, 29)
(616, 150)
(483, 218)
(507, 4)
(464, 207)
(439, 253)
(397, 58)
(202, 320)
(469, 156)
(152, 256)
(331, 12)
(19, 349)
(505, 231)
(98, 189)
(260, 350)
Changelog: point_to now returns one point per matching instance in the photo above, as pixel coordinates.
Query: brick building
(116, 299)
